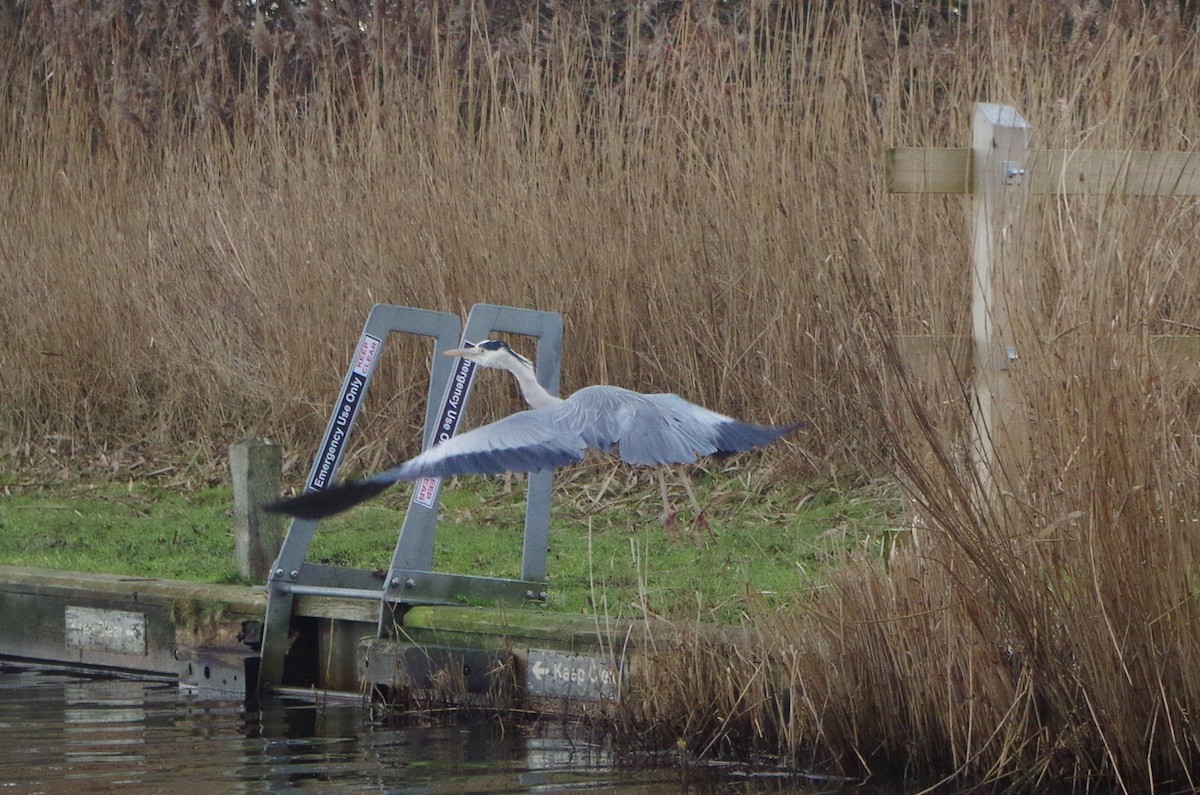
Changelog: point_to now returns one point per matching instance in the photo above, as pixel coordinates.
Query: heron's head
(491, 353)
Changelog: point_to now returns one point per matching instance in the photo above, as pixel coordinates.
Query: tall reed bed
(217, 207)
(206, 200)
(1036, 635)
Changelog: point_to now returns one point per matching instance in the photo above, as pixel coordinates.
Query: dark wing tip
(738, 436)
(328, 502)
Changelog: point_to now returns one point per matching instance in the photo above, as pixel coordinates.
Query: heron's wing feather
(666, 429)
(330, 501)
(527, 441)
(734, 436)
(660, 429)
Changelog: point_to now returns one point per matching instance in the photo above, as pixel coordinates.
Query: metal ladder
(410, 578)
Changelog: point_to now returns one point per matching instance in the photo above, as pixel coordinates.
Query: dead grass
(207, 202)
(198, 275)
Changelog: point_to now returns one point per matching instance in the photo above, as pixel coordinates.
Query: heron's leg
(699, 521)
(668, 516)
(687, 486)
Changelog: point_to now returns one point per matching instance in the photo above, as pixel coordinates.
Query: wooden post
(999, 172)
(999, 187)
(256, 469)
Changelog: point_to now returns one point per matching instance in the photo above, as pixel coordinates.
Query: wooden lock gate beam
(1000, 171)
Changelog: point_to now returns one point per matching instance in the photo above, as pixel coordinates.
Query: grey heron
(646, 429)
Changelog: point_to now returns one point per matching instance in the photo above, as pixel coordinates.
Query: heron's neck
(534, 393)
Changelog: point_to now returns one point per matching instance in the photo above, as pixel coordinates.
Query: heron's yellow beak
(466, 353)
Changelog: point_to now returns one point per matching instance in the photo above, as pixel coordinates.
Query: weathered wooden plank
(234, 599)
(1094, 173)
(1052, 172)
(929, 356)
(933, 356)
(363, 611)
(125, 623)
(568, 630)
(927, 170)
(1177, 357)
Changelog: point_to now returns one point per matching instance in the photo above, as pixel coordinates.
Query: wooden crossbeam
(1000, 171)
(1055, 172)
(929, 357)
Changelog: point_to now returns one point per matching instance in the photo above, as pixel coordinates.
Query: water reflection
(66, 734)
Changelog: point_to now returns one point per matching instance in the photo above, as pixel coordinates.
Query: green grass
(765, 543)
(135, 528)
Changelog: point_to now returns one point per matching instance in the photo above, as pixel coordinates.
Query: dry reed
(205, 200)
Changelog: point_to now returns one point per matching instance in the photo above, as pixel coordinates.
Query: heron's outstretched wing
(648, 429)
(660, 429)
(527, 441)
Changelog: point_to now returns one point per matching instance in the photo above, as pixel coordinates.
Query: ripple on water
(61, 733)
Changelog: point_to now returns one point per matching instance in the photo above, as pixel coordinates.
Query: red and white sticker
(367, 351)
(426, 491)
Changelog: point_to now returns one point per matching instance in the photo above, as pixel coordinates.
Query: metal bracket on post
(290, 575)
(411, 579)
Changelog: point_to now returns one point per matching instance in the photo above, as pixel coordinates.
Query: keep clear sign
(555, 674)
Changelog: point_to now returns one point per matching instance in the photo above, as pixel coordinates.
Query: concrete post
(256, 468)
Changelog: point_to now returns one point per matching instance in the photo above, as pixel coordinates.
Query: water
(62, 733)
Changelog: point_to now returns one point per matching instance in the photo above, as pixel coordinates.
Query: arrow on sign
(539, 670)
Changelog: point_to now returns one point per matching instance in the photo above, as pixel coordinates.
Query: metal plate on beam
(580, 676)
(97, 629)
(416, 587)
